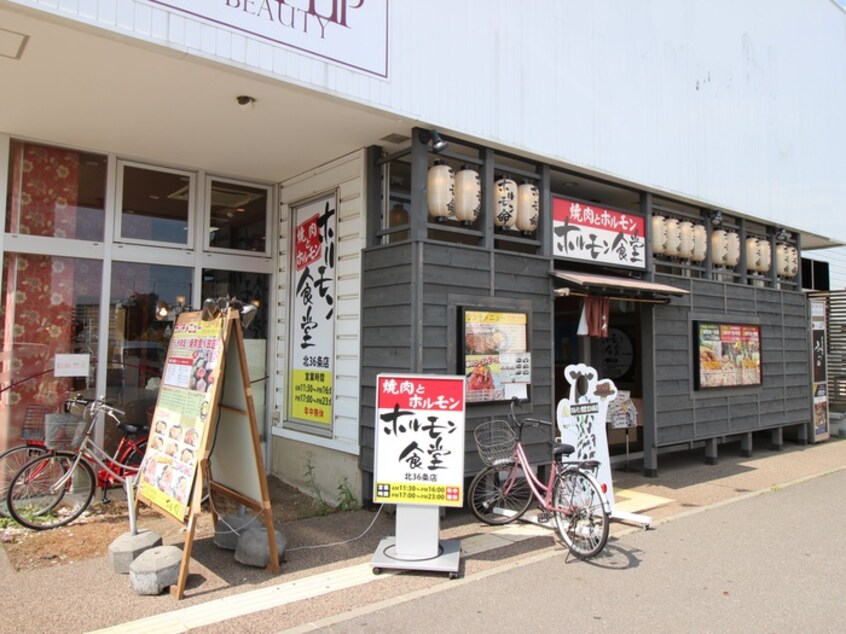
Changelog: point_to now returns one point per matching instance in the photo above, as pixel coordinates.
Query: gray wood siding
(410, 295)
(683, 415)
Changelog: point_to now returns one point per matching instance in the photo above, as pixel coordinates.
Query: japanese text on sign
(594, 234)
(312, 372)
(420, 440)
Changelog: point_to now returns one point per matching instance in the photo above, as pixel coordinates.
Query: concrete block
(124, 549)
(229, 527)
(155, 569)
(253, 548)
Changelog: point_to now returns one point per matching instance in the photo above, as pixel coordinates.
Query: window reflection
(54, 192)
(137, 340)
(154, 205)
(50, 307)
(238, 217)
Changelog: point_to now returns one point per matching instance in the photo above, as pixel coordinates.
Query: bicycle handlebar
(92, 408)
(520, 422)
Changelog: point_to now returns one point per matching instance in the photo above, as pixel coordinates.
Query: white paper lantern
(528, 207)
(659, 235)
(673, 237)
(468, 195)
(700, 243)
(719, 247)
(766, 260)
(782, 260)
(753, 254)
(793, 262)
(686, 239)
(440, 191)
(733, 242)
(505, 203)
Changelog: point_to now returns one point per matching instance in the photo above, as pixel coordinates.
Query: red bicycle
(56, 487)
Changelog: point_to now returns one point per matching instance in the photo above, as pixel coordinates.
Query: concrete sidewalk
(327, 578)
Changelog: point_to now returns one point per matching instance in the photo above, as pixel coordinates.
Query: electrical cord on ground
(341, 543)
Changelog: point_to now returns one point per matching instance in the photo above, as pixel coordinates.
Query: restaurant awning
(622, 288)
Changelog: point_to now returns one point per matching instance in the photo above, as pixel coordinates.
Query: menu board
(189, 381)
(728, 355)
(497, 364)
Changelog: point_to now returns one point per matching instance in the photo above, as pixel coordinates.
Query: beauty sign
(589, 233)
(419, 440)
(353, 33)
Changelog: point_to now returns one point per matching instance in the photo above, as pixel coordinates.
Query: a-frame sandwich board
(204, 433)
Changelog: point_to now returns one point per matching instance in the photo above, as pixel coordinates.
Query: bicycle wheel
(583, 523)
(11, 462)
(44, 495)
(499, 495)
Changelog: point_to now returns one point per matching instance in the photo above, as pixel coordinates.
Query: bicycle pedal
(544, 517)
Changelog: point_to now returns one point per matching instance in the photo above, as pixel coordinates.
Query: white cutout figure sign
(581, 423)
(581, 419)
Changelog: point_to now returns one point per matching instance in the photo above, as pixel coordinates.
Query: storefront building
(388, 211)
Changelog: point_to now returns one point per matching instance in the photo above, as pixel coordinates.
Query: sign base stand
(447, 560)
(632, 518)
(416, 545)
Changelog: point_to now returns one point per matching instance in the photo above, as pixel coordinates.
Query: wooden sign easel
(204, 431)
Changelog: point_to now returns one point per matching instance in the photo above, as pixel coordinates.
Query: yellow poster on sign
(311, 396)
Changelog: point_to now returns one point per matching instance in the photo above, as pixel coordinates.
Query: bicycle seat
(129, 428)
(562, 448)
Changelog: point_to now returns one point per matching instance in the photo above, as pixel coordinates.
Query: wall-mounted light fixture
(438, 144)
(716, 217)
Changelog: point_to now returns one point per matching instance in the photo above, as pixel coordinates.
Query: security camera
(245, 101)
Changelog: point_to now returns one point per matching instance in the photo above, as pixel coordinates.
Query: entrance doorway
(616, 357)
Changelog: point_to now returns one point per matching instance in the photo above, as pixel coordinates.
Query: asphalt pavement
(746, 544)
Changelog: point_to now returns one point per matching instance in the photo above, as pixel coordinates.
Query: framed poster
(419, 440)
(726, 354)
(495, 358)
(312, 376)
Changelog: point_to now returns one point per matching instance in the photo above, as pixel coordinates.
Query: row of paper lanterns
(458, 195)
(688, 240)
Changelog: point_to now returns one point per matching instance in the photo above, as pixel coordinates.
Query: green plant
(321, 507)
(347, 500)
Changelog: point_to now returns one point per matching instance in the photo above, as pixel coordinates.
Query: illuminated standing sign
(353, 33)
(593, 234)
(419, 440)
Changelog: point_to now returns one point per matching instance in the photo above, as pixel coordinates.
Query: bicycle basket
(495, 442)
(33, 424)
(63, 431)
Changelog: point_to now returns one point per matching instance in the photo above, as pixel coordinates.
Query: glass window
(54, 192)
(50, 307)
(250, 288)
(154, 205)
(137, 339)
(238, 218)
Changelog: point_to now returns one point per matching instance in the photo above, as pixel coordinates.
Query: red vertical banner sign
(420, 421)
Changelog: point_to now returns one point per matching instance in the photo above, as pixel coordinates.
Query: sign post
(419, 466)
(204, 432)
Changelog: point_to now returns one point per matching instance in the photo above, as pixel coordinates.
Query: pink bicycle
(504, 489)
